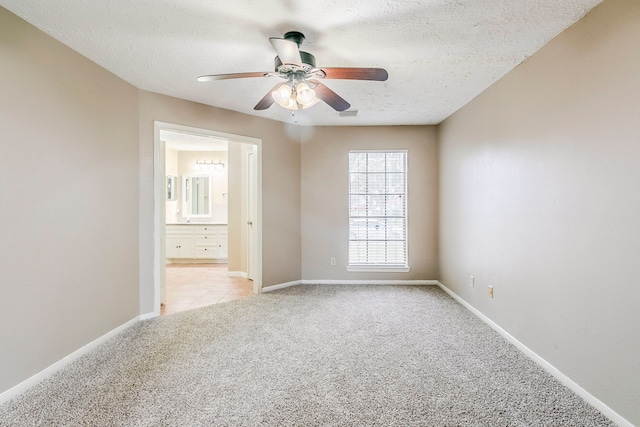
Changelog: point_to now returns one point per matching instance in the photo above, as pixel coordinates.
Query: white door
(162, 274)
(251, 209)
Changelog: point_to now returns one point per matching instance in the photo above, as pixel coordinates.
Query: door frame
(159, 211)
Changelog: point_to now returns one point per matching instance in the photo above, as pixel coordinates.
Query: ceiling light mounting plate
(294, 36)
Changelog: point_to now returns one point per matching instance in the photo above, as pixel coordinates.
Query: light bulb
(282, 95)
(305, 95)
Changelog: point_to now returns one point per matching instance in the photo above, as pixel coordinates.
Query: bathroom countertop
(196, 223)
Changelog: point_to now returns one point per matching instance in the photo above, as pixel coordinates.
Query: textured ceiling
(440, 54)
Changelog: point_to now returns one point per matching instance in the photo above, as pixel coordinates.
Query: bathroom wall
(219, 183)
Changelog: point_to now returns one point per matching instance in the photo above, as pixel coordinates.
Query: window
(378, 210)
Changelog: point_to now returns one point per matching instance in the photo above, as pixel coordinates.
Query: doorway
(195, 285)
(205, 234)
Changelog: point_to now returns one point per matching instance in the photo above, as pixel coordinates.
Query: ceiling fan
(302, 88)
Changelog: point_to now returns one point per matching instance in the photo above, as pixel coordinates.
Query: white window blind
(378, 208)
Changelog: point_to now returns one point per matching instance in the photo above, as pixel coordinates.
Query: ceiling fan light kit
(291, 95)
(301, 88)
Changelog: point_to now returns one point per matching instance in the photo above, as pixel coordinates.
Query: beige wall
(280, 183)
(69, 209)
(540, 198)
(325, 225)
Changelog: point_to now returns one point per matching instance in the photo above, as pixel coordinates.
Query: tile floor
(196, 285)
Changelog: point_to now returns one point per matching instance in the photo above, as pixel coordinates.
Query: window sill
(379, 269)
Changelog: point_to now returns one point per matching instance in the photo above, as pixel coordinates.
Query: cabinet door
(223, 246)
(186, 247)
(179, 247)
(173, 246)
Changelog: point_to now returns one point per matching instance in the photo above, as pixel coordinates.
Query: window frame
(380, 268)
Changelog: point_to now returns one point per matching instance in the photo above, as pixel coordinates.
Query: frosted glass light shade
(310, 104)
(285, 97)
(305, 95)
(292, 104)
(282, 95)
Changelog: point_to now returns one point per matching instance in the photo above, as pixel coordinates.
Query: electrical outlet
(490, 291)
(471, 281)
(333, 261)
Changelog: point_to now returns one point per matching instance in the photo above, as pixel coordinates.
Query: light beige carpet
(307, 356)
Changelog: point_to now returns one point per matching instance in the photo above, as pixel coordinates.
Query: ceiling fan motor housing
(308, 64)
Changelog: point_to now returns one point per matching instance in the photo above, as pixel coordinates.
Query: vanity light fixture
(209, 165)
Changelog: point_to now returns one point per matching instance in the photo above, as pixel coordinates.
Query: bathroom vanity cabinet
(197, 241)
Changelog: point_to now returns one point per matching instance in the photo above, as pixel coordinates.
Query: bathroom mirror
(196, 199)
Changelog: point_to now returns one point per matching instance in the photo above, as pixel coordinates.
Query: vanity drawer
(205, 229)
(178, 229)
(207, 252)
(206, 240)
(208, 229)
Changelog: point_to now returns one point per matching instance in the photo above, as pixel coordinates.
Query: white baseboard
(349, 282)
(237, 274)
(197, 261)
(565, 380)
(47, 372)
(370, 282)
(149, 316)
(281, 286)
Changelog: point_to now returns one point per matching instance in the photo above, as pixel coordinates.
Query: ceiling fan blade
(334, 100)
(287, 51)
(377, 74)
(211, 77)
(267, 100)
